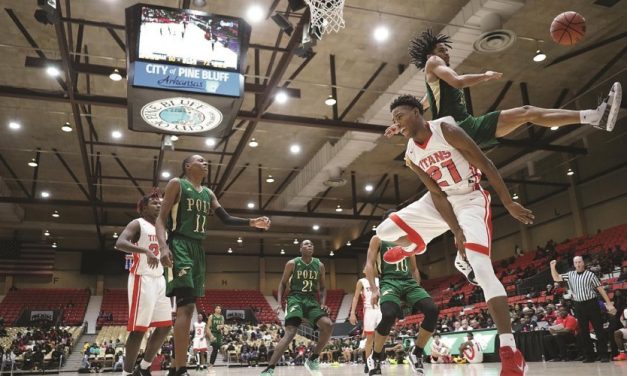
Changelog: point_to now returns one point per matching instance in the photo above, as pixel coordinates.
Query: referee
(584, 286)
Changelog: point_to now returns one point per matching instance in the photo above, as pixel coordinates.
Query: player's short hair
(141, 204)
(406, 100)
(423, 45)
(187, 160)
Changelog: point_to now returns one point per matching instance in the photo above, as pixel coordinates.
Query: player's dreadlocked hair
(141, 204)
(406, 100)
(423, 45)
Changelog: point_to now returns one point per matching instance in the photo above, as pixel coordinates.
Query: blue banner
(187, 79)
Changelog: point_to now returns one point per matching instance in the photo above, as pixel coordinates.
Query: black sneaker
(171, 372)
(366, 368)
(416, 363)
(464, 267)
(375, 367)
(181, 372)
(141, 372)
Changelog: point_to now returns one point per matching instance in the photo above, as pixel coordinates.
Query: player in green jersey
(184, 215)
(445, 97)
(216, 323)
(305, 277)
(397, 282)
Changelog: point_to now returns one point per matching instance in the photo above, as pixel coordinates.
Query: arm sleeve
(595, 281)
(230, 220)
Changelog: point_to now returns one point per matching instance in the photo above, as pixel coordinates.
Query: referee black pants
(589, 312)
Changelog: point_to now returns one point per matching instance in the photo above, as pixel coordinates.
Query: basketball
(568, 28)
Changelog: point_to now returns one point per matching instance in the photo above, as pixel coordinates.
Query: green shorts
(397, 290)
(189, 266)
(482, 129)
(304, 307)
(217, 339)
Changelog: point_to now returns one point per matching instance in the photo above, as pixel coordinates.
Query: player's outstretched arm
(127, 240)
(462, 142)
(353, 315)
(371, 269)
(229, 220)
(171, 195)
(437, 67)
(322, 288)
(287, 273)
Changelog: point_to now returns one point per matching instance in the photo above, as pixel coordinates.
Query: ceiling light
(338, 208)
(331, 254)
(555, 128)
(211, 142)
(570, 172)
(369, 188)
(229, 250)
(282, 251)
(174, 137)
(239, 240)
(515, 196)
(165, 174)
(539, 56)
(32, 163)
(330, 101)
(54, 245)
(280, 97)
(115, 75)
(67, 127)
(53, 71)
(115, 235)
(269, 179)
(295, 149)
(348, 243)
(116, 134)
(46, 233)
(200, 3)
(315, 227)
(45, 194)
(251, 205)
(14, 125)
(253, 143)
(295, 241)
(55, 214)
(381, 33)
(255, 13)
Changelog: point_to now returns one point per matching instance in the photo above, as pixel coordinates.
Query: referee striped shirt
(582, 285)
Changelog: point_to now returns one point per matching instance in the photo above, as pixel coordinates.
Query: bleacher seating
(73, 302)
(115, 302)
(238, 299)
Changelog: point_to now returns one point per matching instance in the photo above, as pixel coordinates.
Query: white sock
(409, 248)
(144, 364)
(507, 339)
(589, 116)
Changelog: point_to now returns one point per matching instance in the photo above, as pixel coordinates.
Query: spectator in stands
(562, 334)
(618, 255)
(518, 251)
(618, 322)
(623, 275)
(464, 326)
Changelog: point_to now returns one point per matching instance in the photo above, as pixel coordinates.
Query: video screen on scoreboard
(183, 37)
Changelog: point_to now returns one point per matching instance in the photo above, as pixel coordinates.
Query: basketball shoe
(608, 109)
(416, 364)
(374, 365)
(512, 362)
(620, 356)
(464, 267)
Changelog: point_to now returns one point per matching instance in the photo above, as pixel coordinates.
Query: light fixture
(295, 241)
(330, 101)
(45, 194)
(348, 243)
(229, 250)
(200, 3)
(211, 142)
(283, 22)
(315, 227)
(54, 245)
(251, 205)
(331, 254)
(55, 214)
(115, 75)
(338, 208)
(115, 235)
(269, 179)
(116, 134)
(46, 233)
(14, 125)
(53, 71)
(282, 251)
(239, 240)
(555, 128)
(174, 137)
(381, 33)
(515, 196)
(280, 97)
(570, 172)
(254, 13)
(295, 149)
(165, 174)
(253, 143)
(369, 188)
(539, 56)
(32, 163)
(67, 127)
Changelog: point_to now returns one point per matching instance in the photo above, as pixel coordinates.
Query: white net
(326, 16)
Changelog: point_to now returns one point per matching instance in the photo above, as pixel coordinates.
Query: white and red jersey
(366, 292)
(441, 161)
(147, 240)
(199, 329)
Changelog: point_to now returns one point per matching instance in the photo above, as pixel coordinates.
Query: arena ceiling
(95, 179)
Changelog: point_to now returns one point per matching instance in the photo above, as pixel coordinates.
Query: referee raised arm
(584, 286)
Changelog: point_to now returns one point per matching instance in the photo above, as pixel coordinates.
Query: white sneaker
(464, 267)
(416, 363)
(609, 108)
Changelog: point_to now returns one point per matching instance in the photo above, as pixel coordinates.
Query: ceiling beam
(374, 191)
(312, 208)
(14, 176)
(333, 86)
(531, 146)
(535, 182)
(363, 89)
(128, 174)
(594, 79)
(117, 39)
(281, 186)
(499, 98)
(374, 207)
(239, 173)
(35, 172)
(71, 172)
(587, 48)
(150, 147)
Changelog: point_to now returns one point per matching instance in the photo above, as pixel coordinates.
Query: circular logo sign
(181, 115)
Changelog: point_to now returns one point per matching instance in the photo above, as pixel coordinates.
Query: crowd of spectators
(37, 349)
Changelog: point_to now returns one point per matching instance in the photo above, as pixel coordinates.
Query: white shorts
(624, 331)
(199, 344)
(422, 222)
(148, 306)
(372, 317)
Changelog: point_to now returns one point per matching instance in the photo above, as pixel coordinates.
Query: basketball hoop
(326, 16)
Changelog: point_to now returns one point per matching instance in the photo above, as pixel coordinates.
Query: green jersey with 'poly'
(189, 216)
(304, 279)
(391, 271)
(445, 100)
(215, 322)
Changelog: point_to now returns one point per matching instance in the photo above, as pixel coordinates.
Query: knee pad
(389, 312)
(185, 300)
(293, 321)
(389, 231)
(484, 273)
(430, 310)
